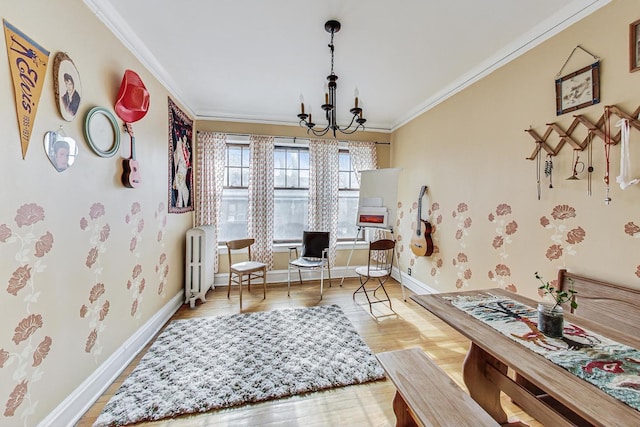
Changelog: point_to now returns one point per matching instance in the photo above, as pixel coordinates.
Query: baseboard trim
(410, 282)
(280, 276)
(77, 403)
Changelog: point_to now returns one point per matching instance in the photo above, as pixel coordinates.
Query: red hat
(133, 98)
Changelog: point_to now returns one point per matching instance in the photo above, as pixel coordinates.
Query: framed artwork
(67, 87)
(180, 160)
(634, 46)
(578, 89)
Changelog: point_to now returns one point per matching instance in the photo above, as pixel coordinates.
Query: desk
(491, 354)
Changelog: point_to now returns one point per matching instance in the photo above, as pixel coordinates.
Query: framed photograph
(66, 85)
(578, 89)
(634, 46)
(180, 160)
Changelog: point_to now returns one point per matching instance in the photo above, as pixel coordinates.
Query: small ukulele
(130, 166)
(421, 243)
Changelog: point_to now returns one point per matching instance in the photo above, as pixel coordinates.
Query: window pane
(234, 156)
(292, 179)
(246, 157)
(279, 158)
(304, 159)
(304, 178)
(292, 159)
(343, 180)
(279, 178)
(290, 214)
(354, 181)
(233, 214)
(245, 177)
(235, 177)
(347, 212)
(345, 161)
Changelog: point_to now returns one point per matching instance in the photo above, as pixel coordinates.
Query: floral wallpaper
(563, 238)
(29, 346)
(96, 309)
(461, 260)
(36, 264)
(137, 282)
(505, 229)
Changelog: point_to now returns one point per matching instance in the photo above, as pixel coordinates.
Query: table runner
(611, 366)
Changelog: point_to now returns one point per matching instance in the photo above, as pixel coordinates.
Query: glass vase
(550, 320)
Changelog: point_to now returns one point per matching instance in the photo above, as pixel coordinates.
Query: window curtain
(260, 215)
(210, 156)
(363, 156)
(323, 190)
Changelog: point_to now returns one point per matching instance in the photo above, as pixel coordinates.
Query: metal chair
(379, 267)
(313, 255)
(240, 272)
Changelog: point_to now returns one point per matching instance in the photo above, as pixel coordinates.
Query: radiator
(199, 263)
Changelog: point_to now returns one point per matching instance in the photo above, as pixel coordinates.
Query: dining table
(495, 363)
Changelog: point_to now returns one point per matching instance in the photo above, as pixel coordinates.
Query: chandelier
(329, 105)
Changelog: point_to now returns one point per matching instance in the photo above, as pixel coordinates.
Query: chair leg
(321, 281)
(385, 292)
(264, 283)
(229, 287)
(329, 270)
(240, 284)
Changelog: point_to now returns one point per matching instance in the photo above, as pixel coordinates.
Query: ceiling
(250, 60)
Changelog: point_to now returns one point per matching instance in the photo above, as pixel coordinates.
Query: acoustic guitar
(421, 243)
(130, 166)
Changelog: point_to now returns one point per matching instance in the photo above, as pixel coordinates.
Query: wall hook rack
(594, 129)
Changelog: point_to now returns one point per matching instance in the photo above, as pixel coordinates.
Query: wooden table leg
(481, 389)
(403, 413)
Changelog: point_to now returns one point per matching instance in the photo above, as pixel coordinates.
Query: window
(291, 191)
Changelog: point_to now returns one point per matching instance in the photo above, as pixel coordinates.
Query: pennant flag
(28, 63)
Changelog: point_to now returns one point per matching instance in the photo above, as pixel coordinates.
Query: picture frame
(101, 132)
(66, 85)
(578, 89)
(634, 46)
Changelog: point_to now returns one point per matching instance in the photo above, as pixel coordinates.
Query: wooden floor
(408, 325)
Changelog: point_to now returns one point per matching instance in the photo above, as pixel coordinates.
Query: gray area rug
(197, 365)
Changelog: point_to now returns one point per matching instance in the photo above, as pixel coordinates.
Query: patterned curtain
(260, 215)
(209, 181)
(363, 156)
(323, 190)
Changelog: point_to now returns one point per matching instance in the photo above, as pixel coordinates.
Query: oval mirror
(61, 150)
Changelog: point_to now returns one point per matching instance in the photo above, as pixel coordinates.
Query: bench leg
(403, 413)
(481, 389)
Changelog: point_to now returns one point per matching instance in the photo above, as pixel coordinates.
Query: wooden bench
(611, 305)
(426, 395)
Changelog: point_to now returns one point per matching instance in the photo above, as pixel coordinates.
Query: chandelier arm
(316, 132)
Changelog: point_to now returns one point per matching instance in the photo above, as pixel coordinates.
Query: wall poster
(180, 160)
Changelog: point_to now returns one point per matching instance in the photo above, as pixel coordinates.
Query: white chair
(240, 272)
(378, 270)
(313, 255)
